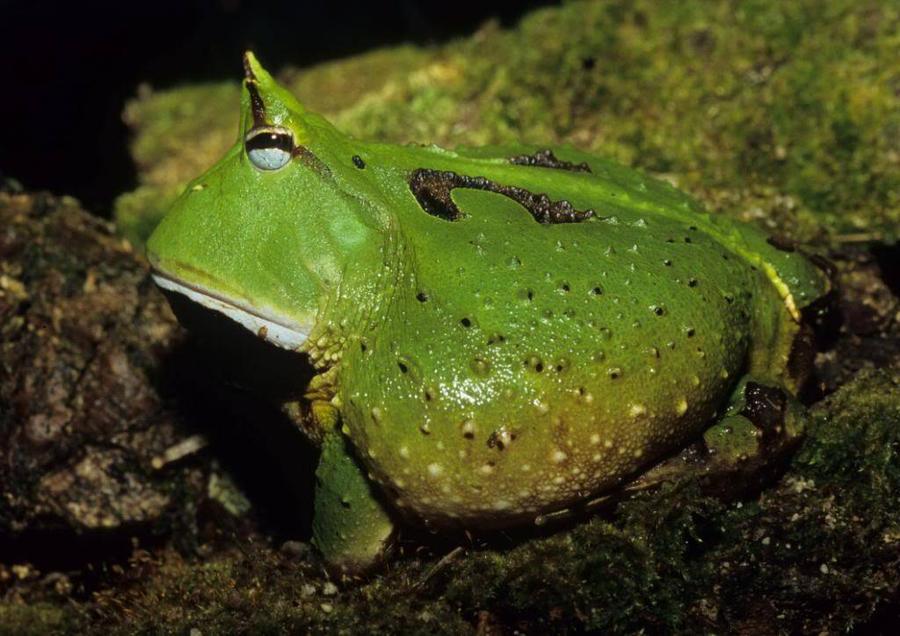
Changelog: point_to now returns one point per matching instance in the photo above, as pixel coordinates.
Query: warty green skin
(492, 369)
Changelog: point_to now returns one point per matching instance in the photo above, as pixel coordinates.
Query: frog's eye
(269, 148)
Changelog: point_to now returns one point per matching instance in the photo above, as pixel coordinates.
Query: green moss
(785, 112)
(854, 447)
(40, 619)
(631, 575)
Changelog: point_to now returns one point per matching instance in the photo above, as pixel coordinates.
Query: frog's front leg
(351, 528)
(761, 426)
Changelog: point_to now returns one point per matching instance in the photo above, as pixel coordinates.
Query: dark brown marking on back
(432, 190)
(546, 159)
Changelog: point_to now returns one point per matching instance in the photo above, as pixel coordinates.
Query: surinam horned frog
(499, 333)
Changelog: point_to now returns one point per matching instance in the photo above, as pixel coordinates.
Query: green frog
(499, 334)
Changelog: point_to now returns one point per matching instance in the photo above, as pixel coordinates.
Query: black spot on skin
(466, 322)
(432, 190)
(422, 297)
(766, 407)
(495, 440)
(781, 243)
(358, 162)
(402, 366)
(546, 159)
(588, 63)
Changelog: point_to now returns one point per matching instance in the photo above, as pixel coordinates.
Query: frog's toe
(350, 527)
(752, 442)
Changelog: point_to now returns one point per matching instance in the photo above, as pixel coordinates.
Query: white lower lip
(286, 336)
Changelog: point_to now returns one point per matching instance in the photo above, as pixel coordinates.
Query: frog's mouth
(276, 330)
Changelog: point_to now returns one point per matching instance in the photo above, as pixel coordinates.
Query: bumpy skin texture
(501, 332)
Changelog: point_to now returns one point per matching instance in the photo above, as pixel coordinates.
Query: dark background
(68, 67)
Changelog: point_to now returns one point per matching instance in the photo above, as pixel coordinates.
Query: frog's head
(265, 235)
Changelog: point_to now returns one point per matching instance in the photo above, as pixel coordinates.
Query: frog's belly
(490, 441)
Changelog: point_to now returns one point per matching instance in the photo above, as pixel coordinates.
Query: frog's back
(535, 356)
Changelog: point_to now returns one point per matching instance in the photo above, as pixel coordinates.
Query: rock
(82, 332)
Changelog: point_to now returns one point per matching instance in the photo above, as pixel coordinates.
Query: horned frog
(499, 333)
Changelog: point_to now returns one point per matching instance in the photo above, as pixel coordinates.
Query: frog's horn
(253, 70)
(269, 103)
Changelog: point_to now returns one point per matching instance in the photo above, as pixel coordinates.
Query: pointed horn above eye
(268, 104)
(249, 63)
(257, 107)
(255, 73)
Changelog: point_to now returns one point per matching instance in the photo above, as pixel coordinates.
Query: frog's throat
(276, 330)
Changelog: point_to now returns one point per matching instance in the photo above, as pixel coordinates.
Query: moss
(40, 619)
(631, 575)
(855, 443)
(777, 112)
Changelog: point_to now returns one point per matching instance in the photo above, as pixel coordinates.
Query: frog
(499, 334)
